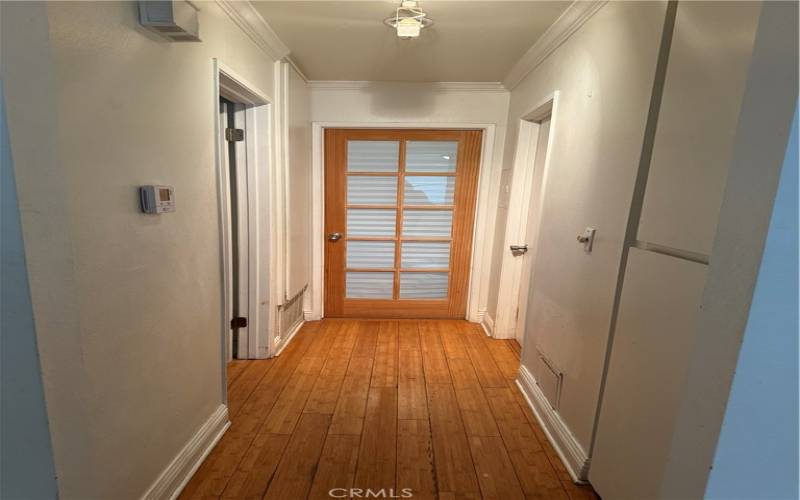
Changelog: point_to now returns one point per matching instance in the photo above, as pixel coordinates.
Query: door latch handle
(517, 250)
(334, 236)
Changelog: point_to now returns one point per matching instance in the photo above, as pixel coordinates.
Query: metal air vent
(175, 20)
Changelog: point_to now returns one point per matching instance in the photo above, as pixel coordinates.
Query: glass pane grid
(373, 156)
(423, 285)
(419, 268)
(371, 190)
(431, 156)
(429, 190)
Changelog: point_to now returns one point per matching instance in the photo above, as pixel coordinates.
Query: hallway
(425, 405)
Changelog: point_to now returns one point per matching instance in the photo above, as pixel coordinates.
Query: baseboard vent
(291, 313)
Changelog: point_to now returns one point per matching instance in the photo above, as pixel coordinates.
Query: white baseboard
(285, 341)
(562, 439)
(308, 315)
(174, 478)
(488, 324)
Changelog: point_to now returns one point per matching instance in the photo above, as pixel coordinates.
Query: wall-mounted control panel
(157, 199)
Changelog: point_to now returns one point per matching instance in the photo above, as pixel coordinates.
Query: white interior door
(233, 118)
(532, 227)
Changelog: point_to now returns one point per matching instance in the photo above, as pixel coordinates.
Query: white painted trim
(176, 475)
(491, 87)
(260, 166)
(284, 342)
(566, 445)
(559, 32)
(488, 324)
(512, 268)
(483, 231)
(246, 17)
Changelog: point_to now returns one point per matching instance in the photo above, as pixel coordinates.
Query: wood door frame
(485, 211)
(462, 209)
(509, 299)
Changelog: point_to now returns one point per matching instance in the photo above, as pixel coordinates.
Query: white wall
(299, 184)
(127, 306)
(759, 432)
(399, 103)
(26, 454)
(604, 74)
(665, 272)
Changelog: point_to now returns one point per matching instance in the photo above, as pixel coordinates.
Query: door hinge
(238, 322)
(234, 134)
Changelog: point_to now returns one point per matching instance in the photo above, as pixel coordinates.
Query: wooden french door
(399, 213)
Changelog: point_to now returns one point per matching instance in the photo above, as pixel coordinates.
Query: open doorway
(534, 143)
(242, 139)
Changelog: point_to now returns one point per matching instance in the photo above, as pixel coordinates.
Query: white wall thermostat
(157, 199)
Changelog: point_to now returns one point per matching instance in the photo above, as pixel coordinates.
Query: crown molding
(469, 87)
(564, 27)
(246, 17)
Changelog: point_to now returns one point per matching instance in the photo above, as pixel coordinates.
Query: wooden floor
(425, 405)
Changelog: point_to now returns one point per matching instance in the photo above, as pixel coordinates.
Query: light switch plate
(587, 238)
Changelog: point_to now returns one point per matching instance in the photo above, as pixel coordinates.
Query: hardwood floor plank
(452, 339)
(550, 452)
(455, 472)
(299, 462)
(255, 471)
(384, 373)
(287, 409)
(463, 373)
(408, 335)
(412, 399)
(348, 417)
(504, 357)
(337, 465)
(410, 364)
(515, 347)
(246, 383)
(366, 339)
(213, 475)
(415, 459)
(434, 360)
(377, 457)
(496, 475)
(235, 368)
(488, 373)
(428, 405)
(326, 390)
(325, 336)
(537, 476)
(475, 412)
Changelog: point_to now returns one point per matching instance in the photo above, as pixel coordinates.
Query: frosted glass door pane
(371, 190)
(372, 156)
(371, 222)
(431, 156)
(427, 223)
(369, 285)
(429, 190)
(423, 285)
(419, 255)
(370, 254)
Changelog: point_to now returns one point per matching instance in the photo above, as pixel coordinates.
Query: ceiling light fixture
(408, 20)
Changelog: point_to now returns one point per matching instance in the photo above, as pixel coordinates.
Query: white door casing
(524, 202)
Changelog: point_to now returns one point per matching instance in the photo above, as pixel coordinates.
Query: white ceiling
(470, 41)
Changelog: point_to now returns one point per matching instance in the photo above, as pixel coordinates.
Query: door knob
(517, 250)
(334, 236)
